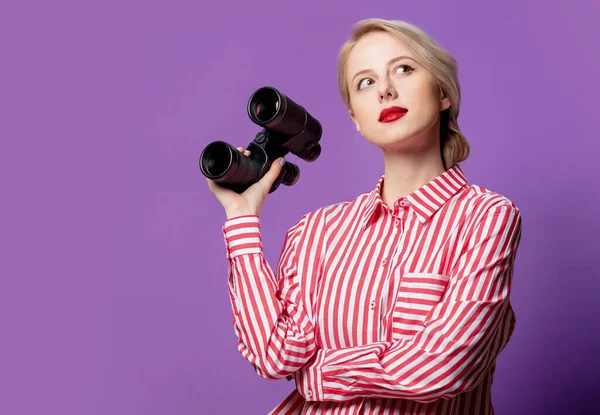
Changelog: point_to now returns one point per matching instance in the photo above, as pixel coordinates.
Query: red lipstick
(392, 114)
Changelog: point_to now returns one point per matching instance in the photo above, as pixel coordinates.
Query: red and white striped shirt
(379, 310)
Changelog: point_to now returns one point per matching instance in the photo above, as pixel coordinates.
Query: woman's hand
(251, 201)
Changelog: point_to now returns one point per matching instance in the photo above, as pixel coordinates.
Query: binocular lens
(312, 154)
(290, 174)
(264, 105)
(216, 160)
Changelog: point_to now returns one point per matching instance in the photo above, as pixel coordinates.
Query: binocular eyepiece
(287, 127)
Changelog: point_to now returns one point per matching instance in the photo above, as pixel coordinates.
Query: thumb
(273, 172)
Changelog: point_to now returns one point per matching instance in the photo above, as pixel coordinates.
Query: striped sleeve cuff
(242, 236)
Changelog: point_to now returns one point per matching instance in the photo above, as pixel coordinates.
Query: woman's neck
(406, 172)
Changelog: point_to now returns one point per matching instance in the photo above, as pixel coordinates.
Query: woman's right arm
(274, 331)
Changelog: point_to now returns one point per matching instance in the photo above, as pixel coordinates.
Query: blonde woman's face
(393, 78)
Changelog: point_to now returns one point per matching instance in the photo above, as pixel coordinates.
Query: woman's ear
(444, 100)
(354, 120)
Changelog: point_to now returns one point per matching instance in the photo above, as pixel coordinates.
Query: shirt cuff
(242, 236)
(323, 379)
(311, 383)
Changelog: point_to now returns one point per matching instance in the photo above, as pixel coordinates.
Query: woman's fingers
(241, 150)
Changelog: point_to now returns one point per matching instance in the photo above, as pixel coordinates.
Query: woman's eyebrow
(397, 58)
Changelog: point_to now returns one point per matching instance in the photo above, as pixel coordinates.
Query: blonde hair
(444, 68)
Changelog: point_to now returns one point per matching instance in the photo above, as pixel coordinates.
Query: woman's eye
(362, 83)
(407, 68)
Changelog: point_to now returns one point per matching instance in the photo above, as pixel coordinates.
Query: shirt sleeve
(460, 339)
(274, 333)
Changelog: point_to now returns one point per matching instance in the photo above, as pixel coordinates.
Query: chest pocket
(417, 295)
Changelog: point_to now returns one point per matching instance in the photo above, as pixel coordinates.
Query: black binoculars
(287, 127)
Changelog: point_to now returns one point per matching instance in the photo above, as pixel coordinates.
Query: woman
(396, 302)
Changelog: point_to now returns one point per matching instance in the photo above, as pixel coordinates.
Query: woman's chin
(392, 142)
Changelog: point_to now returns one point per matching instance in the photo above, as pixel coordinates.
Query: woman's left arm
(461, 337)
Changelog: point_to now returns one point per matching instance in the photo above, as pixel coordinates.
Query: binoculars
(287, 127)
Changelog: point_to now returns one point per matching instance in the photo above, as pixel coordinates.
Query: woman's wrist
(239, 212)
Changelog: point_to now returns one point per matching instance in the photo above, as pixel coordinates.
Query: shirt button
(384, 262)
(308, 393)
(397, 222)
(372, 304)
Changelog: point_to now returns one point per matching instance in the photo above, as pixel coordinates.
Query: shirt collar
(426, 200)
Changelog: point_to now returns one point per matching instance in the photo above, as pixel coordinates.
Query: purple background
(113, 296)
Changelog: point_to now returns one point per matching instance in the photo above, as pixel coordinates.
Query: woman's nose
(387, 91)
